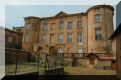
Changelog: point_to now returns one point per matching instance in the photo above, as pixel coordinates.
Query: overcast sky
(14, 14)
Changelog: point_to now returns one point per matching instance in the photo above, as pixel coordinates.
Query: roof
(32, 17)
(115, 33)
(6, 29)
(98, 6)
(18, 27)
(61, 14)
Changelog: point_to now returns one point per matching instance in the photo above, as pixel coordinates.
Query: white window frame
(60, 38)
(80, 37)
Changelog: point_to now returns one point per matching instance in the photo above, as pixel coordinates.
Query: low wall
(55, 71)
(11, 55)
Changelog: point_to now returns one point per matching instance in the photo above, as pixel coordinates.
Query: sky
(14, 15)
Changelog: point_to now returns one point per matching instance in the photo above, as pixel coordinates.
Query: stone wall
(11, 55)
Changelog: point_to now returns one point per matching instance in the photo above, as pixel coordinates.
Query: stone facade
(79, 32)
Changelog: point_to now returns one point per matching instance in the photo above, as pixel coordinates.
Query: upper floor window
(34, 26)
(98, 34)
(98, 18)
(28, 26)
(27, 37)
(61, 26)
(80, 37)
(60, 38)
(70, 37)
(45, 27)
(79, 24)
(51, 38)
(52, 26)
(45, 38)
(70, 25)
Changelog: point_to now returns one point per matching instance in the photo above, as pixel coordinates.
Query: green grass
(21, 69)
(32, 67)
(87, 71)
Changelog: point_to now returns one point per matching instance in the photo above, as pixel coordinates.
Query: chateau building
(70, 33)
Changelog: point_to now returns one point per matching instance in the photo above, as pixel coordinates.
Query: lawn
(21, 68)
(87, 71)
(32, 67)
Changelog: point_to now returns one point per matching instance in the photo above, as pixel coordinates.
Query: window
(98, 34)
(52, 26)
(61, 26)
(70, 25)
(10, 39)
(60, 50)
(60, 38)
(70, 38)
(28, 26)
(98, 17)
(44, 38)
(45, 26)
(79, 24)
(51, 38)
(27, 37)
(80, 38)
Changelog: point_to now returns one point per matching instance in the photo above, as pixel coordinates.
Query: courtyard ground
(68, 70)
(87, 71)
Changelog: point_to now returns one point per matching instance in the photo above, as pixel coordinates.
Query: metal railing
(83, 55)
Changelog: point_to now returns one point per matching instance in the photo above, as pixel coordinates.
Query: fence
(20, 63)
